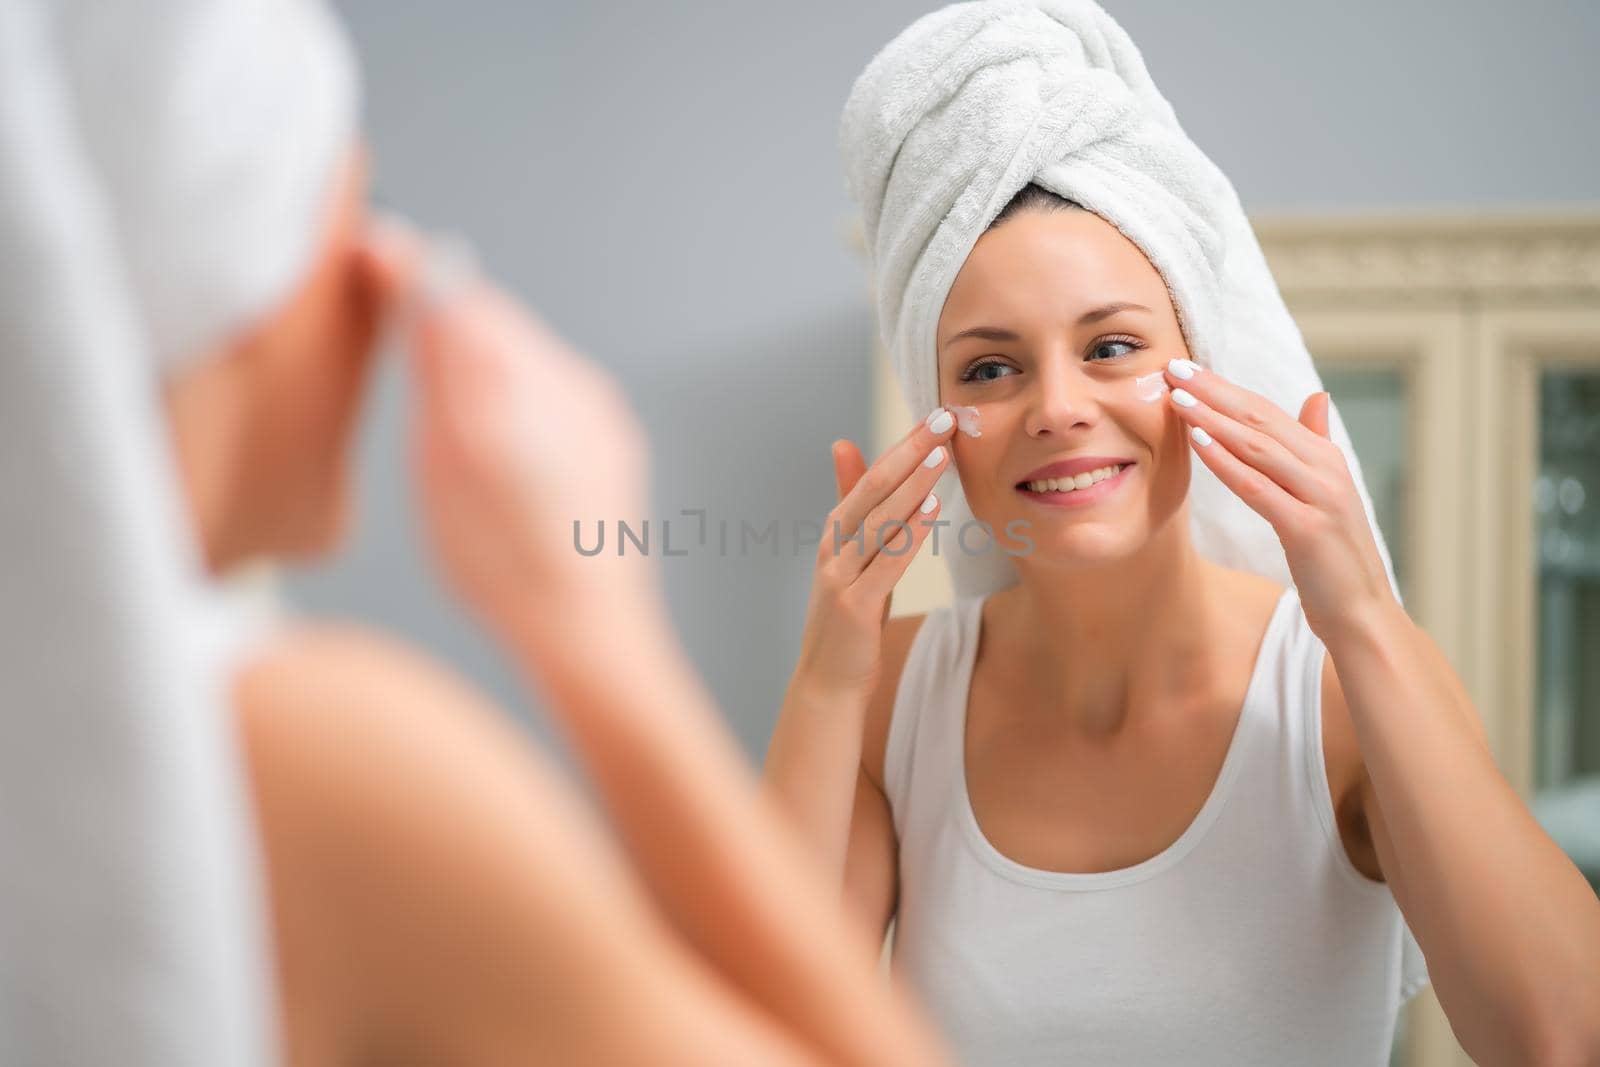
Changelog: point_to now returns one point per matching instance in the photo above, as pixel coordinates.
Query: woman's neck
(1097, 642)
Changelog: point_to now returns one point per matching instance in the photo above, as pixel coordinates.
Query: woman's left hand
(1292, 475)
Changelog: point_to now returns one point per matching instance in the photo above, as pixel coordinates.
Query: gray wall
(661, 181)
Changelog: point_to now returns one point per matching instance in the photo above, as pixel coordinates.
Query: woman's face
(1053, 318)
(278, 404)
(310, 389)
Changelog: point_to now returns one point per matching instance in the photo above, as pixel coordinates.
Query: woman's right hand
(517, 440)
(840, 649)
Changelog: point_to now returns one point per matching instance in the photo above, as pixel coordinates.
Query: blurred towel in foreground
(163, 171)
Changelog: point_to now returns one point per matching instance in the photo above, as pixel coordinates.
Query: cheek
(1171, 449)
(310, 398)
(975, 461)
(339, 347)
(1151, 423)
(361, 310)
(1155, 426)
(981, 456)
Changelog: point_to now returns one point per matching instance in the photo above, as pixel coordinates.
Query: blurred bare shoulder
(360, 725)
(341, 662)
(405, 820)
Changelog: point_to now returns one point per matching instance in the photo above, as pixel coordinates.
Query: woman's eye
(1113, 343)
(979, 371)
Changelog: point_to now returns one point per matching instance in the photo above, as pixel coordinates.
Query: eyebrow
(995, 333)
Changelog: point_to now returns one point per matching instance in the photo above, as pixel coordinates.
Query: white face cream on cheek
(966, 419)
(1150, 387)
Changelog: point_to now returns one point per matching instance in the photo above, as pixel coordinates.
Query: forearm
(811, 769)
(1510, 928)
(720, 858)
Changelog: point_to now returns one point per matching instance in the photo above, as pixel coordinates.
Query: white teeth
(1077, 481)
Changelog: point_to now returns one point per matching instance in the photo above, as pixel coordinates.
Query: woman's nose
(1062, 402)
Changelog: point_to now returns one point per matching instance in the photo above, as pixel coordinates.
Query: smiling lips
(1075, 480)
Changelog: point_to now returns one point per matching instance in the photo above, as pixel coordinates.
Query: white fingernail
(935, 457)
(1184, 398)
(940, 420)
(929, 504)
(1200, 436)
(1183, 368)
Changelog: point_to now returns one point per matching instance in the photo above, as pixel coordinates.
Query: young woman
(1139, 807)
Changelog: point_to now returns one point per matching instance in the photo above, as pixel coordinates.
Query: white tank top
(1251, 939)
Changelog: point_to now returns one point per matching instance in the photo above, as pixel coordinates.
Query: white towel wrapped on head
(213, 127)
(165, 168)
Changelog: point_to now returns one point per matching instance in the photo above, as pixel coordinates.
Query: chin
(1087, 544)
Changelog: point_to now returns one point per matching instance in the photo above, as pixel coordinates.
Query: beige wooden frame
(1515, 346)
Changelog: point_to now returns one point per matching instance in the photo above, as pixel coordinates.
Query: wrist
(1371, 623)
(603, 630)
(811, 696)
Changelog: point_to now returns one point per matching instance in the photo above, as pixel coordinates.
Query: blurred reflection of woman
(182, 204)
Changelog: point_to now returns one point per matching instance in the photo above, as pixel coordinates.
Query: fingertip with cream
(966, 419)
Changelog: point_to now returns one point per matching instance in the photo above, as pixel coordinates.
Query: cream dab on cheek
(1150, 387)
(966, 419)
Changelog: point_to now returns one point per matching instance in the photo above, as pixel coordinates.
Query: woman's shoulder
(1256, 591)
(340, 720)
(312, 656)
(898, 635)
(317, 678)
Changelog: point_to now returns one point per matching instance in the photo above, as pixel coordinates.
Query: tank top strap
(1301, 700)
(1271, 736)
(1280, 677)
(1304, 661)
(1297, 699)
(932, 679)
(1303, 654)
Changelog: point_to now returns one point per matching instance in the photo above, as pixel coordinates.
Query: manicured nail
(929, 504)
(1183, 368)
(1199, 435)
(940, 420)
(935, 457)
(1184, 398)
